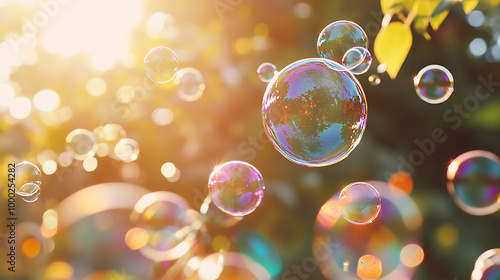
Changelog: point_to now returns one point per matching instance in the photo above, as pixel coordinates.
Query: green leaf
(438, 19)
(469, 5)
(392, 46)
(488, 116)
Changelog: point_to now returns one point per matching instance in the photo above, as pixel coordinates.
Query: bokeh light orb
(360, 203)
(338, 37)
(236, 187)
(190, 84)
(81, 143)
(474, 182)
(161, 64)
(313, 114)
(434, 84)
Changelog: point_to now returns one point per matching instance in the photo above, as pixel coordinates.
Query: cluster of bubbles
(434, 84)
(236, 187)
(386, 248)
(474, 182)
(161, 65)
(360, 203)
(107, 140)
(487, 266)
(28, 179)
(314, 110)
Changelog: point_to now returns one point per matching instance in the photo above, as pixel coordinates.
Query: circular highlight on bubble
(369, 267)
(266, 72)
(434, 84)
(81, 144)
(26, 172)
(127, 150)
(357, 60)
(314, 115)
(487, 266)
(361, 203)
(161, 64)
(190, 84)
(474, 182)
(338, 37)
(236, 187)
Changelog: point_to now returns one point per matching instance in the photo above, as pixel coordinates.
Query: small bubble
(361, 203)
(236, 187)
(434, 84)
(161, 65)
(266, 72)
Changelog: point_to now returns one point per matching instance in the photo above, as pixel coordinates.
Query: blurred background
(90, 53)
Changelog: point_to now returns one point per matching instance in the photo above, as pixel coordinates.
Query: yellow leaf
(388, 5)
(426, 8)
(469, 5)
(421, 24)
(392, 46)
(438, 19)
(394, 6)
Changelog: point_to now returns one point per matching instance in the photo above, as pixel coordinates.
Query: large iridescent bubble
(474, 182)
(338, 37)
(313, 114)
(379, 250)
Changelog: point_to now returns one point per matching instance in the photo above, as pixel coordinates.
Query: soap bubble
(313, 114)
(434, 84)
(26, 172)
(29, 192)
(266, 71)
(412, 255)
(170, 223)
(161, 65)
(190, 84)
(236, 187)
(474, 182)
(374, 80)
(81, 143)
(338, 245)
(357, 60)
(360, 203)
(127, 150)
(338, 37)
(487, 266)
